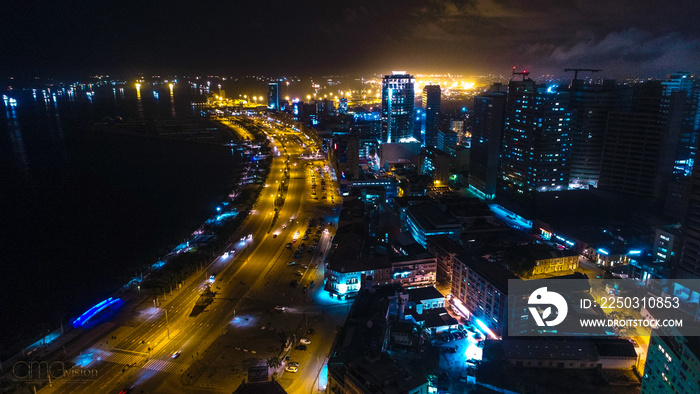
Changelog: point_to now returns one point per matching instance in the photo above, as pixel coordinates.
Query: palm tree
(273, 363)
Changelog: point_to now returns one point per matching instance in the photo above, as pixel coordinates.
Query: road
(137, 351)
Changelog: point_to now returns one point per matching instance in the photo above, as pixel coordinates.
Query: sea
(81, 212)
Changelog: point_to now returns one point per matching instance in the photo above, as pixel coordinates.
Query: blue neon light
(635, 252)
(94, 311)
(603, 251)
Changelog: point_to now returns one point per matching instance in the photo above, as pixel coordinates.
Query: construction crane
(576, 70)
(524, 73)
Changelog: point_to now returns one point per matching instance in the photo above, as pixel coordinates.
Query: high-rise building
(343, 106)
(446, 140)
(672, 365)
(344, 154)
(536, 141)
(590, 105)
(637, 154)
(487, 136)
(682, 94)
(273, 96)
(431, 106)
(436, 164)
(689, 264)
(397, 106)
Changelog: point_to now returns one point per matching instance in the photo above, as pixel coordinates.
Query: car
(477, 336)
(634, 343)
(176, 354)
(300, 273)
(284, 226)
(274, 235)
(305, 266)
(242, 238)
(280, 308)
(457, 334)
(291, 369)
(311, 331)
(250, 236)
(300, 347)
(293, 364)
(126, 390)
(305, 341)
(291, 263)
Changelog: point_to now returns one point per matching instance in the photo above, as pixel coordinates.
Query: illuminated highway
(249, 284)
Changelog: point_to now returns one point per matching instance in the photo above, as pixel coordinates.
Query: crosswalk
(164, 366)
(122, 358)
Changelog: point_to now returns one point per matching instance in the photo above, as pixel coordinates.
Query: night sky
(74, 38)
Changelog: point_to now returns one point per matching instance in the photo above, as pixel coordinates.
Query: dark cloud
(623, 37)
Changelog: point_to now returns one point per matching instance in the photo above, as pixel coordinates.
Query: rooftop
(271, 387)
(430, 218)
(424, 293)
(432, 318)
(491, 271)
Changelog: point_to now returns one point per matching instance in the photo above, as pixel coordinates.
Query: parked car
(293, 364)
(300, 347)
(305, 341)
(311, 331)
(291, 369)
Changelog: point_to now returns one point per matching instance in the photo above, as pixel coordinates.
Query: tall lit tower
(536, 141)
(273, 96)
(431, 105)
(397, 106)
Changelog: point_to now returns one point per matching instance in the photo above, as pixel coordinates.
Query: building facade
(273, 96)
(590, 105)
(672, 365)
(397, 106)
(423, 221)
(482, 287)
(431, 106)
(536, 141)
(487, 136)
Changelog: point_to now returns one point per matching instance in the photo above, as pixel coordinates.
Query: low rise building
(605, 353)
(358, 362)
(425, 220)
(482, 288)
(358, 258)
(445, 250)
(541, 260)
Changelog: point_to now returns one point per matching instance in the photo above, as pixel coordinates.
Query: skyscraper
(431, 106)
(487, 135)
(273, 96)
(672, 365)
(536, 141)
(689, 263)
(590, 105)
(681, 100)
(637, 156)
(397, 106)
